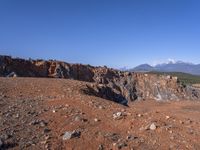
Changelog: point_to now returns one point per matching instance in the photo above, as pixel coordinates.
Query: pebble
(47, 137)
(100, 147)
(43, 123)
(66, 105)
(191, 131)
(34, 122)
(181, 122)
(96, 120)
(117, 115)
(121, 145)
(47, 146)
(101, 107)
(152, 126)
(77, 118)
(67, 136)
(17, 116)
(46, 130)
(144, 128)
(114, 144)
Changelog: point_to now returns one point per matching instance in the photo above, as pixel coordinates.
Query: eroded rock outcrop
(111, 84)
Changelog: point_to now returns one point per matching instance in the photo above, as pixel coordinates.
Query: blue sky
(115, 33)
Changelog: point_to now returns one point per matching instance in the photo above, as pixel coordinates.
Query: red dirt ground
(61, 104)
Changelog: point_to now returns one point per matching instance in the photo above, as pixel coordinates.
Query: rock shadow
(8, 145)
(106, 93)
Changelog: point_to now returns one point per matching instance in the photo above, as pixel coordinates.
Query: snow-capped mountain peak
(171, 66)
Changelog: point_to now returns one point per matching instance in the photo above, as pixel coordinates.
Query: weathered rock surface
(118, 86)
(71, 134)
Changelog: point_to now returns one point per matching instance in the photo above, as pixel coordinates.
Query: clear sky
(115, 33)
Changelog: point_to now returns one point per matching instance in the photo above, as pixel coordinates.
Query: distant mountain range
(171, 66)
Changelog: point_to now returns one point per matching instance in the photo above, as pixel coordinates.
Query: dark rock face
(111, 84)
(135, 86)
(106, 92)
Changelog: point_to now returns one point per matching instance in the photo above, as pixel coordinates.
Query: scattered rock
(181, 122)
(71, 134)
(101, 107)
(144, 128)
(113, 136)
(67, 105)
(188, 121)
(152, 126)
(117, 115)
(96, 120)
(100, 147)
(46, 130)
(78, 118)
(121, 145)
(131, 137)
(34, 122)
(114, 144)
(17, 116)
(84, 120)
(67, 136)
(43, 123)
(12, 74)
(47, 137)
(139, 115)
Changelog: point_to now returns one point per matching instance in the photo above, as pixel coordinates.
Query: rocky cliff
(118, 86)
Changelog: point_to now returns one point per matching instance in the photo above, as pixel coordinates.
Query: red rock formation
(108, 83)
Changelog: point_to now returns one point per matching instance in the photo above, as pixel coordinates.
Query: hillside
(58, 105)
(46, 113)
(177, 66)
(121, 87)
(183, 77)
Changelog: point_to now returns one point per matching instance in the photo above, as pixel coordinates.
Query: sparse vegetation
(183, 77)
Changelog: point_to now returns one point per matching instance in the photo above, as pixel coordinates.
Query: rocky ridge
(121, 87)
